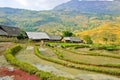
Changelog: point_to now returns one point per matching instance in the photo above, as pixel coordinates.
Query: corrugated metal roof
(37, 35)
(72, 39)
(67, 38)
(55, 37)
(76, 39)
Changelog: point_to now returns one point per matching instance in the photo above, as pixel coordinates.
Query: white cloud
(35, 4)
(32, 4)
(22, 2)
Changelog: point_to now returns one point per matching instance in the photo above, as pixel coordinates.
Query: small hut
(72, 39)
(55, 38)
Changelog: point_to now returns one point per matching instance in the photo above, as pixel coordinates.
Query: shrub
(43, 75)
(81, 46)
(111, 48)
(88, 39)
(103, 47)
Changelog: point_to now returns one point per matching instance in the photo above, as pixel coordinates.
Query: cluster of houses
(35, 36)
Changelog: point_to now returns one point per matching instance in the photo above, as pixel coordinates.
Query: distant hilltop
(91, 6)
(97, 0)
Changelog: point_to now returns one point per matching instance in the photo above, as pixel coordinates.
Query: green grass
(92, 46)
(64, 45)
(105, 47)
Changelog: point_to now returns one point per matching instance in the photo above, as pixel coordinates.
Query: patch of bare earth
(15, 74)
(4, 46)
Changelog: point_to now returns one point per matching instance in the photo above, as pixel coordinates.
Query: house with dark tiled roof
(2, 33)
(11, 31)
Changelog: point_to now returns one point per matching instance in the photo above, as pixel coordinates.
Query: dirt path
(3, 62)
(4, 46)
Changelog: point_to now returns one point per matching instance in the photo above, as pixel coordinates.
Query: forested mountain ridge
(76, 18)
(91, 6)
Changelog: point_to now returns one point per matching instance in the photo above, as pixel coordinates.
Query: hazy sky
(33, 4)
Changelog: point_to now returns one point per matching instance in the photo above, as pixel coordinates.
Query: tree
(21, 35)
(88, 39)
(67, 34)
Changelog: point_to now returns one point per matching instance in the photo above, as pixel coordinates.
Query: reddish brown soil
(18, 74)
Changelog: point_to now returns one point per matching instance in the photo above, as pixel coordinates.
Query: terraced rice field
(8, 71)
(86, 51)
(88, 58)
(29, 57)
(75, 59)
(28, 54)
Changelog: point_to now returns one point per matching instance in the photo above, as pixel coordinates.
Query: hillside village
(7, 31)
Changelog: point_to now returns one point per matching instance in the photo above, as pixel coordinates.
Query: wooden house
(11, 31)
(55, 38)
(2, 32)
(72, 39)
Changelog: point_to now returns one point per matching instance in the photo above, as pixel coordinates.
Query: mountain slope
(107, 30)
(73, 16)
(99, 7)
